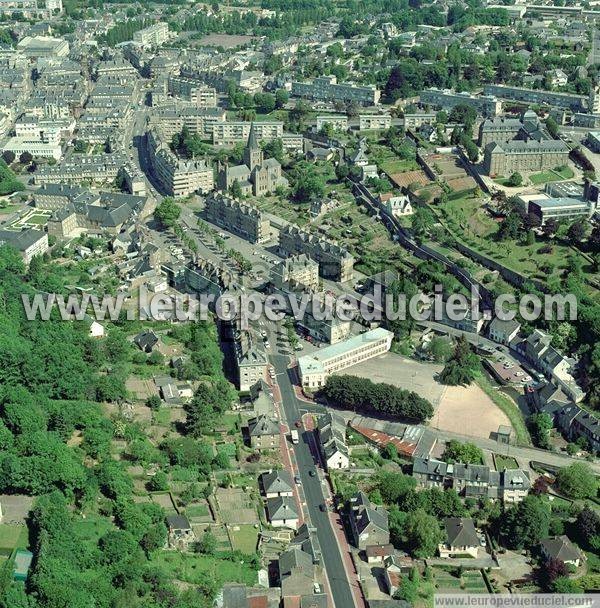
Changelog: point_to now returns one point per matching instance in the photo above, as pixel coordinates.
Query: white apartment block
(54, 5)
(190, 89)
(327, 88)
(418, 119)
(231, 133)
(154, 35)
(338, 122)
(368, 122)
(315, 368)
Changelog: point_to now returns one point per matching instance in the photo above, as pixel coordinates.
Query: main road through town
(313, 491)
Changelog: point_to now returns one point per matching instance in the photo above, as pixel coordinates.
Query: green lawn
(551, 175)
(90, 529)
(245, 539)
(467, 220)
(505, 462)
(37, 219)
(196, 511)
(9, 209)
(12, 537)
(195, 569)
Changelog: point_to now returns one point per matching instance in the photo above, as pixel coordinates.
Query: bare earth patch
(467, 410)
(458, 409)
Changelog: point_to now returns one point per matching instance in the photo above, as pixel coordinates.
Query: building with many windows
(530, 155)
(368, 122)
(28, 243)
(240, 218)
(154, 35)
(568, 101)
(177, 176)
(192, 90)
(315, 368)
(334, 261)
(230, 133)
(486, 105)
(327, 88)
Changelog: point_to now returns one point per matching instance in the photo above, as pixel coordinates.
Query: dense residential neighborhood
(406, 193)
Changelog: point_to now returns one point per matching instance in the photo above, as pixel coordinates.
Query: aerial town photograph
(299, 303)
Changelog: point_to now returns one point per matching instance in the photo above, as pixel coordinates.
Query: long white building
(316, 367)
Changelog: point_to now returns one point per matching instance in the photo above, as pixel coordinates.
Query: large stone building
(501, 130)
(519, 155)
(296, 273)
(240, 218)
(327, 88)
(28, 243)
(334, 261)
(105, 212)
(257, 176)
(177, 176)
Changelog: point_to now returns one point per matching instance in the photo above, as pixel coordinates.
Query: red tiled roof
(382, 439)
(379, 550)
(260, 601)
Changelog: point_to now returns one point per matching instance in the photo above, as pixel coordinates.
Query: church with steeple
(256, 176)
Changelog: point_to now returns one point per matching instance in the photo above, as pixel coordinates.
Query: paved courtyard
(459, 409)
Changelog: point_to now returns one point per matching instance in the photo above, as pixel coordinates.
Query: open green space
(468, 221)
(37, 219)
(196, 569)
(552, 175)
(12, 537)
(505, 462)
(245, 539)
(8, 209)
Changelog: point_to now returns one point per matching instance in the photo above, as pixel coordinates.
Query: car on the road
(323, 507)
(297, 480)
(312, 473)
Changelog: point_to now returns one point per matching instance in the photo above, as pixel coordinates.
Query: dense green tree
(423, 534)
(577, 481)
(167, 212)
(363, 395)
(525, 524)
(467, 452)
(462, 367)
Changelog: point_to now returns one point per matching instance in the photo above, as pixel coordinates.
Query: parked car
(323, 507)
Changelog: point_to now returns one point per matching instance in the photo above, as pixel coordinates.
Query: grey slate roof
(277, 481)
(263, 425)
(560, 547)
(460, 532)
(280, 508)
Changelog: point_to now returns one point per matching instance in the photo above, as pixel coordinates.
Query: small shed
(23, 561)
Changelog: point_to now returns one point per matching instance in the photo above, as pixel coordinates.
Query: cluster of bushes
(363, 395)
